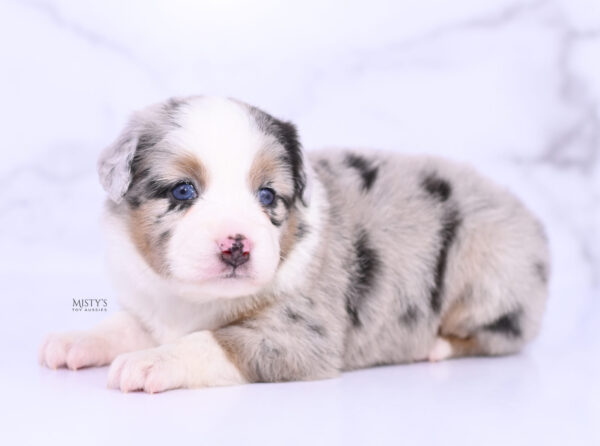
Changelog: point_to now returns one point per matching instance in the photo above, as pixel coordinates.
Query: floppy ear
(287, 135)
(114, 165)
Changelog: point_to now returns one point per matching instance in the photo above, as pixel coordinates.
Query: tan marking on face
(149, 221)
(187, 165)
(177, 166)
(267, 168)
(145, 233)
(288, 235)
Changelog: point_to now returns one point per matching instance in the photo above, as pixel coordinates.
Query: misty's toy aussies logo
(90, 305)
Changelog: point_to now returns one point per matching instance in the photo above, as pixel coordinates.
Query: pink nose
(235, 250)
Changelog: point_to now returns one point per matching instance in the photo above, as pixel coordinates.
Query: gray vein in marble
(52, 12)
(583, 136)
(491, 20)
(578, 145)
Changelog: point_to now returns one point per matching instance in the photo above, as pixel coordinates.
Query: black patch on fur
(364, 168)
(291, 314)
(301, 231)
(287, 135)
(269, 354)
(134, 202)
(324, 165)
(141, 180)
(155, 189)
(178, 206)
(164, 236)
(274, 211)
(287, 202)
(508, 325)
(143, 174)
(437, 187)
(317, 329)
(450, 224)
(362, 278)
(145, 141)
(542, 271)
(410, 317)
(297, 318)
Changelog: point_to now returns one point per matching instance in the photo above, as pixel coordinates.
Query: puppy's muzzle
(235, 250)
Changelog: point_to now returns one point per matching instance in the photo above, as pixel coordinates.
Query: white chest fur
(161, 307)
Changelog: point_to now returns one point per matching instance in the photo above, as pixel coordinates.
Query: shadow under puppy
(239, 258)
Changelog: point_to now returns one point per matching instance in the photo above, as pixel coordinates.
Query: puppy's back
(433, 249)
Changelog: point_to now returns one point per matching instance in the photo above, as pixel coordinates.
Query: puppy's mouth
(234, 273)
(228, 273)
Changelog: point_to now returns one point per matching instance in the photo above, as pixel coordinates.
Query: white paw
(74, 350)
(442, 349)
(152, 370)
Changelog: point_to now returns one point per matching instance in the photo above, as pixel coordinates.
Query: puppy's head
(211, 191)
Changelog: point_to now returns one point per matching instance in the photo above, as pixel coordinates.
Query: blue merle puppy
(239, 258)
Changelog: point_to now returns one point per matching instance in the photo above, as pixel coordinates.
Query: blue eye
(266, 196)
(184, 191)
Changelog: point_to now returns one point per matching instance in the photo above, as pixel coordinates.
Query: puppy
(239, 258)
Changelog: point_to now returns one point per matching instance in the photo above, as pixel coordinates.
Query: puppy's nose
(235, 250)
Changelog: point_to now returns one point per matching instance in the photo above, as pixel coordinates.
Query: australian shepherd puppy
(239, 258)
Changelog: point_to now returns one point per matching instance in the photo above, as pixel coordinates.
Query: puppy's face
(210, 191)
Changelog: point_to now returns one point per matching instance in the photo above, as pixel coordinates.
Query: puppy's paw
(74, 350)
(152, 370)
(442, 349)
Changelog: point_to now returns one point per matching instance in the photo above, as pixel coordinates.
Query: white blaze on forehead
(224, 137)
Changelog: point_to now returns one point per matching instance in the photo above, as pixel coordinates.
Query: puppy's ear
(114, 165)
(303, 174)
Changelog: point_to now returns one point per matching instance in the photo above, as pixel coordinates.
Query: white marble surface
(512, 87)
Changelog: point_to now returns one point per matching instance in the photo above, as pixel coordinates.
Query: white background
(512, 87)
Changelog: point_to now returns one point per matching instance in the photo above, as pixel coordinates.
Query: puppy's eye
(266, 196)
(184, 191)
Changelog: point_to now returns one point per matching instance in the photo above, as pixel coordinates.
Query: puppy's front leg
(117, 334)
(232, 355)
(195, 360)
